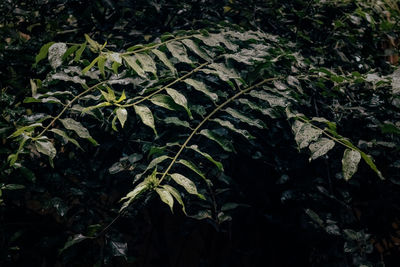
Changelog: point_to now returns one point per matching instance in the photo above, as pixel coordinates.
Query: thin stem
(68, 105)
(207, 118)
(166, 86)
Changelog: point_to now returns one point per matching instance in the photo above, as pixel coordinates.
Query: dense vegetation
(199, 133)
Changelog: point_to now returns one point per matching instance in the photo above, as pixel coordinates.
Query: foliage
(178, 112)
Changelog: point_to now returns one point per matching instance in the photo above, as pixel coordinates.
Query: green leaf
(186, 183)
(72, 241)
(33, 87)
(371, 164)
(224, 143)
(215, 39)
(100, 105)
(253, 122)
(43, 52)
(13, 187)
(176, 121)
(46, 147)
(230, 126)
(176, 195)
(135, 193)
(265, 111)
(28, 128)
(305, 133)
(350, 161)
(122, 114)
(65, 136)
(200, 86)
(91, 65)
(207, 156)
(146, 116)
(321, 147)
(164, 101)
(14, 157)
(178, 51)
(78, 53)
(94, 46)
(100, 64)
(70, 51)
(165, 197)
(179, 99)
(113, 124)
(147, 63)
(194, 47)
(78, 128)
(272, 100)
(163, 58)
(131, 61)
(191, 166)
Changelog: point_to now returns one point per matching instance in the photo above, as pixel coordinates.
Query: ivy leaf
(225, 144)
(253, 122)
(186, 183)
(350, 161)
(131, 61)
(163, 58)
(200, 86)
(191, 166)
(146, 116)
(207, 156)
(178, 51)
(122, 114)
(78, 128)
(321, 147)
(179, 99)
(165, 197)
(46, 147)
(147, 63)
(176, 195)
(43, 52)
(65, 136)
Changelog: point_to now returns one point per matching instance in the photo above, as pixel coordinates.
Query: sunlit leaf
(321, 147)
(78, 128)
(186, 183)
(146, 116)
(131, 61)
(179, 99)
(224, 143)
(163, 58)
(179, 52)
(165, 197)
(350, 161)
(122, 114)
